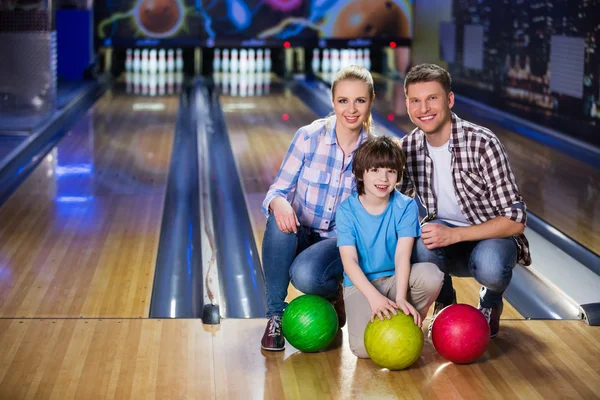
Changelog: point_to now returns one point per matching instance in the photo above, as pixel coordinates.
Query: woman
(314, 178)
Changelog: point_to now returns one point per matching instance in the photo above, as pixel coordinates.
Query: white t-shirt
(443, 187)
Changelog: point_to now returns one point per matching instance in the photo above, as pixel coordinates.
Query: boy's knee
(427, 278)
(358, 348)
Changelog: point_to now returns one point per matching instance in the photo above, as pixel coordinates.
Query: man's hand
(437, 235)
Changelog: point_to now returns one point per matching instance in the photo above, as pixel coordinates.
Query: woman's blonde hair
(355, 72)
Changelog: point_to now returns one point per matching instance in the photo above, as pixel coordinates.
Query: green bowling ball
(309, 323)
(394, 343)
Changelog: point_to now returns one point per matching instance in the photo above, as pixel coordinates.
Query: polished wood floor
(260, 141)
(559, 189)
(182, 359)
(79, 236)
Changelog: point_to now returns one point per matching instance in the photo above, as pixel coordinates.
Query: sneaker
(438, 307)
(493, 317)
(273, 339)
(339, 306)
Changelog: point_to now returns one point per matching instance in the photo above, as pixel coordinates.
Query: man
(460, 172)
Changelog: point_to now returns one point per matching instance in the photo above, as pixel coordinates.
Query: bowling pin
(144, 63)
(234, 63)
(162, 81)
(217, 80)
(137, 80)
(243, 60)
(170, 82)
(234, 83)
(152, 83)
(217, 60)
(243, 84)
(225, 84)
(179, 60)
(251, 61)
(268, 63)
(259, 84)
(225, 62)
(360, 57)
(162, 61)
(315, 61)
(152, 61)
(326, 63)
(145, 83)
(136, 60)
(335, 60)
(178, 81)
(353, 55)
(170, 60)
(260, 62)
(128, 60)
(367, 59)
(251, 83)
(267, 82)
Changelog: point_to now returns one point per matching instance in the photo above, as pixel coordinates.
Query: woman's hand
(408, 309)
(284, 214)
(382, 306)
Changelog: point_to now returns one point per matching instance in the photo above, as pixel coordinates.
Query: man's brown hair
(428, 73)
(377, 152)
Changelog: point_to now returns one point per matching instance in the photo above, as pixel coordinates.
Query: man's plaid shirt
(483, 181)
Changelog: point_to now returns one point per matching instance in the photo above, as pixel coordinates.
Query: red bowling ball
(460, 333)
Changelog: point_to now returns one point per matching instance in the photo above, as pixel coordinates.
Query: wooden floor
(79, 236)
(260, 141)
(559, 189)
(182, 359)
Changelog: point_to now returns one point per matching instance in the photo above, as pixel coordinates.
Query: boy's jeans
(489, 261)
(311, 262)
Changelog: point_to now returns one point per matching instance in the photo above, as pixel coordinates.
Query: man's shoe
(493, 317)
(438, 307)
(339, 306)
(273, 339)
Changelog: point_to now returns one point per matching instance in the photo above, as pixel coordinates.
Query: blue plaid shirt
(315, 176)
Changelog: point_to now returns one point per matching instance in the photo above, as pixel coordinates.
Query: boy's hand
(382, 306)
(408, 309)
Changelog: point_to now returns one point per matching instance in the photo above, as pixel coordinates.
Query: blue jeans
(489, 261)
(311, 262)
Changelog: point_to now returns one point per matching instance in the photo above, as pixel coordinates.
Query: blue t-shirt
(375, 236)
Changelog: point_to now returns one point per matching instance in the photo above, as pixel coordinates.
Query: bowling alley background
(260, 19)
(538, 60)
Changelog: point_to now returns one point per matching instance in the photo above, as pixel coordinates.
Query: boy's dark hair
(428, 73)
(377, 152)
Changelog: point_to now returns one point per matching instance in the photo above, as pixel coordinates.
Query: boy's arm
(402, 261)
(380, 305)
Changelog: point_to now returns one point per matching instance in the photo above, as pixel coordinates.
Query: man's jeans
(489, 261)
(311, 262)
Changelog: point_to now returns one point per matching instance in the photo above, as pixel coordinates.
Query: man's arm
(439, 235)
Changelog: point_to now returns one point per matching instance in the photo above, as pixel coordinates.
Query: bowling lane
(79, 237)
(559, 189)
(260, 136)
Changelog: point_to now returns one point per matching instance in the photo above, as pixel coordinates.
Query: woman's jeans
(489, 261)
(312, 263)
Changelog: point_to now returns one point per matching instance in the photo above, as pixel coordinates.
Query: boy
(377, 226)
